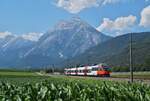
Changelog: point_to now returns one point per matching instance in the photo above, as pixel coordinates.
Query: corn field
(74, 90)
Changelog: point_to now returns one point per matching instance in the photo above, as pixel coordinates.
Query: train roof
(90, 66)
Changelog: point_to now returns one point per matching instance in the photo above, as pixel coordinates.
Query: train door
(85, 71)
(76, 71)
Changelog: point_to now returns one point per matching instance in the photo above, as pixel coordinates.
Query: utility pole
(131, 63)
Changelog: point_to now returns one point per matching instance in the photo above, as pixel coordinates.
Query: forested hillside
(115, 52)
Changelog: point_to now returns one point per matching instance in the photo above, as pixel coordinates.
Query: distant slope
(115, 52)
(12, 50)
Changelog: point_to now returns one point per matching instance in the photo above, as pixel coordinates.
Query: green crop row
(74, 90)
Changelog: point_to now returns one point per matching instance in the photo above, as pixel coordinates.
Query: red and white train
(101, 70)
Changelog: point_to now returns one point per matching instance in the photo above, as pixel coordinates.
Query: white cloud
(145, 17)
(75, 6)
(118, 26)
(4, 34)
(32, 36)
(104, 2)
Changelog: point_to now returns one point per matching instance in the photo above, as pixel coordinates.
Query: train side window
(89, 70)
(85, 70)
(94, 69)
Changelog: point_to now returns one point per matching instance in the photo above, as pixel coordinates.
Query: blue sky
(109, 16)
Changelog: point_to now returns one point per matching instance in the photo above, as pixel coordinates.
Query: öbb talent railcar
(101, 70)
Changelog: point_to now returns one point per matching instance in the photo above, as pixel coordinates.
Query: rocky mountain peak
(70, 23)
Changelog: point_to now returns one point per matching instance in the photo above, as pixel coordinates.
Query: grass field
(137, 75)
(17, 77)
(24, 77)
(29, 86)
(15, 73)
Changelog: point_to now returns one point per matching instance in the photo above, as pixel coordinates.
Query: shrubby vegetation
(69, 89)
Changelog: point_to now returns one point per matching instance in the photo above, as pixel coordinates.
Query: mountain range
(66, 40)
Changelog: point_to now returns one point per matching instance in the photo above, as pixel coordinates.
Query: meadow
(29, 86)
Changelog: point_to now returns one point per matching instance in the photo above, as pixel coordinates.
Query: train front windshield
(107, 68)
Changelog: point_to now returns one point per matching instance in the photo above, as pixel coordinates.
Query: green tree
(147, 63)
